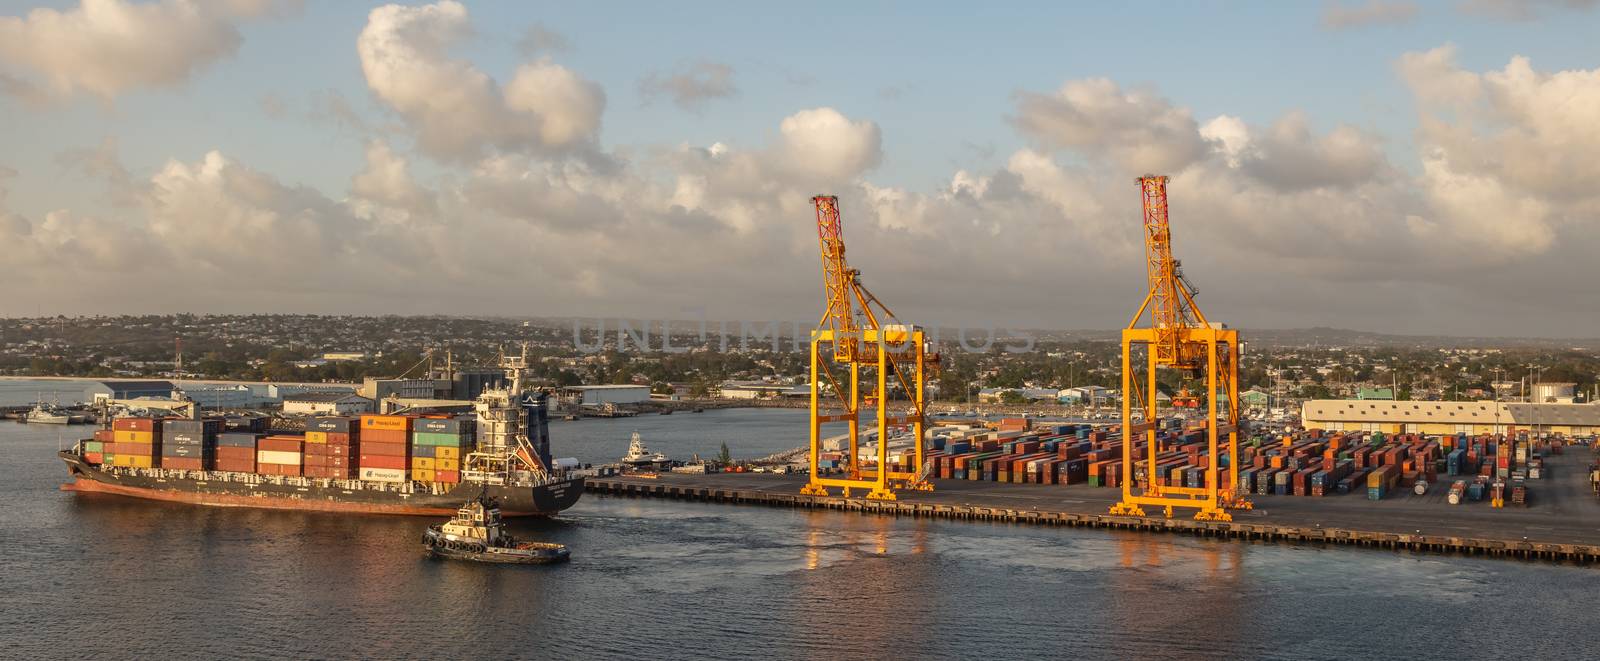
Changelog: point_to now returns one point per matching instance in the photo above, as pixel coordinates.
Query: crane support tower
(1178, 338)
(864, 335)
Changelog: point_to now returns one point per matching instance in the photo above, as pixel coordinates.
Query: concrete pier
(1562, 523)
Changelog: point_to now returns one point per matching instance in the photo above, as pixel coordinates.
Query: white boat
(45, 414)
(639, 455)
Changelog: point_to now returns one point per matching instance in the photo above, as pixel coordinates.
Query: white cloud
(458, 112)
(1520, 10)
(823, 144)
(107, 47)
(1134, 129)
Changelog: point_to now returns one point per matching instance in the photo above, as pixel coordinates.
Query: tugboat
(478, 533)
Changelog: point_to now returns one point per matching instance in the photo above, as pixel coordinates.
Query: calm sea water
(95, 576)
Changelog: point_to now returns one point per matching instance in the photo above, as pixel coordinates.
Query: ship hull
(540, 500)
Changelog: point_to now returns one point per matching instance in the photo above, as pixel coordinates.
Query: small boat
(478, 533)
(639, 455)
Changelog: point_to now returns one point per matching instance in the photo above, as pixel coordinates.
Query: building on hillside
(128, 390)
(326, 403)
(1375, 394)
(1483, 417)
(1255, 398)
(344, 355)
(605, 394)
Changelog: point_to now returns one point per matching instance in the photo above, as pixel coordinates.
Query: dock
(1562, 523)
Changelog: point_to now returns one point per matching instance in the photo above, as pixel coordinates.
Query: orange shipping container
(385, 423)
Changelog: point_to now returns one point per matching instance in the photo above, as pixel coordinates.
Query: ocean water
(89, 576)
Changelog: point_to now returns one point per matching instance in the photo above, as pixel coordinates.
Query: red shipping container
(447, 476)
(105, 435)
(384, 436)
(182, 463)
(339, 438)
(341, 462)
(385, 449)
(236, 454)
(236, 466)
(309, 460)
(94, 457)
(383, 461)
(316, 449)
(281, 444)
(134, 424)
(335, 450)
(279, 469)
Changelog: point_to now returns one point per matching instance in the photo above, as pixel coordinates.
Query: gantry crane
(1178, 338)
(864, 334)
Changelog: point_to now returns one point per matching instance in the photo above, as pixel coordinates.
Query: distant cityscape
(1280, 368)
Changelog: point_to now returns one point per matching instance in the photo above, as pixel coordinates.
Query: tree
(1012, 397)
(724, 456)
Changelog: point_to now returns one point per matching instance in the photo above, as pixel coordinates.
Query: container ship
(377, 464)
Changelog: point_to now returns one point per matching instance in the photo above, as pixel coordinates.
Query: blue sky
(940, 81)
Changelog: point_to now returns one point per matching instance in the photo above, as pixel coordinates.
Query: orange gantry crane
(863, 334)
(1178, 338)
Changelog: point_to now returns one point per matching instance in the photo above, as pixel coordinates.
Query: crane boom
(865, 335)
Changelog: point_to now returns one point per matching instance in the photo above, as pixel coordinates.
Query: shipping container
(327, 424)
(384, 461)
(277, 457)
(383, 474)
(293, 444)
(400, 423)
(451, 426)
(238, 439)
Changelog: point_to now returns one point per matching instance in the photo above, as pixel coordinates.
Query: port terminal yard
(1561, 523)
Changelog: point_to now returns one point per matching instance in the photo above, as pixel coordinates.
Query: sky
(1382, 165)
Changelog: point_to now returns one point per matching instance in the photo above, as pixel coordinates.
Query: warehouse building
(597, 395)
(1473, 418)
(128, 390)
(326, 403)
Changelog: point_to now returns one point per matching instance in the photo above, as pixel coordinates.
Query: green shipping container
(93, 446)
(440, 440)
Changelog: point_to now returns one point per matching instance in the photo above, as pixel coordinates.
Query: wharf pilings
(1257, 532)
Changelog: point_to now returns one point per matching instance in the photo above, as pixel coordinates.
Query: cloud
(690, 87)
(822, 143)
(539, 39)
(1337, 15)
(386, 181)
(457, 112)
(105, 48)
(1520, 10)
(1134, 129)
(1528, 129)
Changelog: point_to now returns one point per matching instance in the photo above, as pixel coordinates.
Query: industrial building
(327, 403)
(1482, 417)
(597, 395)
(127, 390)
(760, 390)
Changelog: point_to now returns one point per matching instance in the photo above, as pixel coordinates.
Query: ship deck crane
(863, 333)
(1178, 338)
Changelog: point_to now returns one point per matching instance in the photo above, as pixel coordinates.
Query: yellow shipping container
(316, 437)
(447, 464)
(423, 463)
(422, 475)
(386, 422)
(125, 436)
(447, 452)
(133, 461)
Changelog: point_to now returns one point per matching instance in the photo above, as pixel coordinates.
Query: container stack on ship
(382, 464)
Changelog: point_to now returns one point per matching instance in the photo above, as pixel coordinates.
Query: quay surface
(1561, 523)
